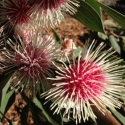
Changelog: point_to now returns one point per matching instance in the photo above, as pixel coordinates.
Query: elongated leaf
(89, 17)
(55, 117)
(114, 43)
(102, 36)
(7, 101)
(95, 6)
(37, 114)
(4, 78)
(40, 116)
(36, 101)
(119, 116)
(56, 36)
(4, 91)
(110, 23)
(118, 17)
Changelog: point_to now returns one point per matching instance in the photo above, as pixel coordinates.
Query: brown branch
(107, 119)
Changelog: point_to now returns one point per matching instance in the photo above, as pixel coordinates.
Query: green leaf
(36, 101)
(114, 43)
(7, 101)
(102, 36)
(119, 116)
(4, 78)
(110, 23)
(40, 115)
(56, 36)
(118, 17)
(4, 91)
(95, 6)
(48, 112)
(37, 114)
(89, 17)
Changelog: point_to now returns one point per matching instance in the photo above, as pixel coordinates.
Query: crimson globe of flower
(33, 61)
(48, 13)
(95, 78)
(16, 11)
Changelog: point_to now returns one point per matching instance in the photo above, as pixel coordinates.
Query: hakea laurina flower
(33, 61)
(68, 46)
(48, 13)
(15, 11)
(25, 31)
(95, 78)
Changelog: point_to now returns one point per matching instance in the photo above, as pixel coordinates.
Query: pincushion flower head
(95, 78)
(48, 13)
(33, 61)
(15, 11)
(68, 46)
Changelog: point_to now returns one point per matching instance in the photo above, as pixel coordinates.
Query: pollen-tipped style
(48, 13)
(33, 61)
(95, 78)
(15, 11)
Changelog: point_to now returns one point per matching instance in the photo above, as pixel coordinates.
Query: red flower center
(86, 83)
(33, 62)
(50, 4)
(18, 12)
